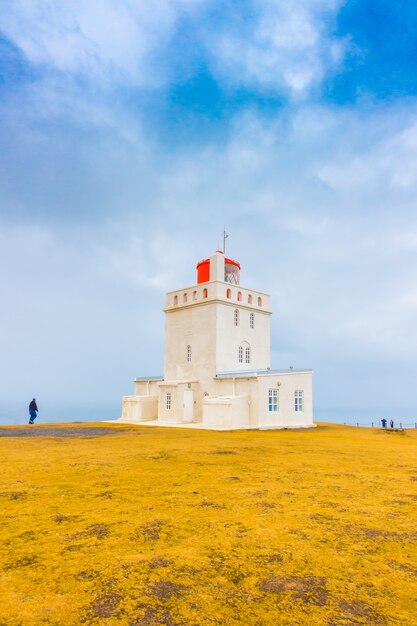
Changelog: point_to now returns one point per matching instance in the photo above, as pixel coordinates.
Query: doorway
(188, 406)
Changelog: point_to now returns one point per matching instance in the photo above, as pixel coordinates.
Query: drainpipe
(147, 387)
(234, 386)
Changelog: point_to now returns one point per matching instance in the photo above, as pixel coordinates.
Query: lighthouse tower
(216, 325)
(217, 360)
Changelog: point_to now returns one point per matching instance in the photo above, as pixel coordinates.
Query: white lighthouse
(217, 361)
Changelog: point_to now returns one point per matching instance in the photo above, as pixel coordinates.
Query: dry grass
(182, 528)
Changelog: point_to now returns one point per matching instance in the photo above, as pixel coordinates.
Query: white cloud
(386, 159)
(106, 41)
(278, 45)
(288, 46)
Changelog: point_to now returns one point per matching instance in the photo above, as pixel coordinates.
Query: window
(244, 352)
(239, 296)
(252, 320)
(228, 293)
(185, 298)
(259, 301)
(236, 317)
(194, 295)
(298, 401)
(175, 299)
(188, 354)
(273, 401)
(205, 293)
(231, 272)
(249, 299)
(168, 401)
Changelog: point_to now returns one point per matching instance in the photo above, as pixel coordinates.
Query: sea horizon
(17, 414)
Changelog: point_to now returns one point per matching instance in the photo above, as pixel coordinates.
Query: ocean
(61, 412)
(17, 413)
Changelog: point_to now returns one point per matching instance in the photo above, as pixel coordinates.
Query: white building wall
(139, 408)
(230, 337)
(257, 390)
(286, 415)
(202, 316)
(226, 411)
(146, 388)
(184, 406)
(193, 326)
(174, 413)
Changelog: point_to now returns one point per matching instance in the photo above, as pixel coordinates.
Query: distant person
(391, 423)
(33, 410)
(384, 423)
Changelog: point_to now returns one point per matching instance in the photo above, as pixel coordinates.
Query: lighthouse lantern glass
(231, 273)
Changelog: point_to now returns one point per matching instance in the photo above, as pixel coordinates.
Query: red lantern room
(203, 271)
(231, 271)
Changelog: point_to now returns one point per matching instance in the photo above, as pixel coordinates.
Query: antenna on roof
(225, 236)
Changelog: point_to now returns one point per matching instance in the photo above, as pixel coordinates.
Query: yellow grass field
(147, 526)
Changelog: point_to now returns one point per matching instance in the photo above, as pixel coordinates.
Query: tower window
(249, 299)
(273, 401)
(175, 299)
(231, 273)
(228, 293)
(239, 296)
(194, 295)
(298, 401)
(259, 301)
(185, 298)
(205, 293)
(244, 352)
(252, 320)
(188, 354)
(236, 317)
(168, 401)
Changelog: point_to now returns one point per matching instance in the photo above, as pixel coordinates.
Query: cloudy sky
(133, 131)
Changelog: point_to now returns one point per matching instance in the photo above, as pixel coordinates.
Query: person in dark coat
(33, 410)
(384, 423)
(391, 423)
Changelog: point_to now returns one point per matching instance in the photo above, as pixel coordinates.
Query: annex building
(217, 361)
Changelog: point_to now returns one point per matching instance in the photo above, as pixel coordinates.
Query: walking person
(33, 410)
(391, 423)
(384, 423)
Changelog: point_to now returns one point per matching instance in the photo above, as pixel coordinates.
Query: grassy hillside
(178, 527)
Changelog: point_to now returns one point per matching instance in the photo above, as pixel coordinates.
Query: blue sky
(132, 132)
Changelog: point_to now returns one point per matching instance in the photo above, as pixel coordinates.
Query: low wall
(137, 409)
(226, 411)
